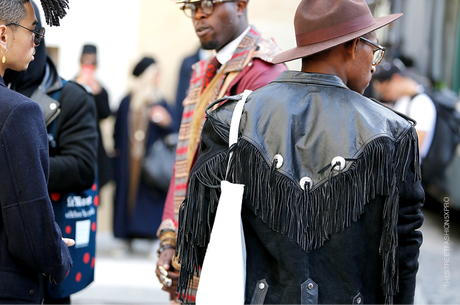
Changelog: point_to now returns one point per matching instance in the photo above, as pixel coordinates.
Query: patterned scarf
(185, 153)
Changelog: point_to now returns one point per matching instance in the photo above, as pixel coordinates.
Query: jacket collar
(52, 81)
(310, 78)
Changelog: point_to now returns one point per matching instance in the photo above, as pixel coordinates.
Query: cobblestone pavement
(129, 278)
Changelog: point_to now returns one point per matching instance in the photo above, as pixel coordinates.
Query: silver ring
(167, 281)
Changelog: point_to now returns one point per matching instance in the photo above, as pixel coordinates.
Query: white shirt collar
(226, 53)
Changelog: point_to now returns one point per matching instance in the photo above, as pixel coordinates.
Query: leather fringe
(328, 208)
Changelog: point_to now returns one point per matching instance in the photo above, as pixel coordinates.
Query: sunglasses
(206, 6)
(38, 34)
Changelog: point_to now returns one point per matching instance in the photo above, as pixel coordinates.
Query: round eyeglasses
(377, 53)
(38, 34)
(206, 6)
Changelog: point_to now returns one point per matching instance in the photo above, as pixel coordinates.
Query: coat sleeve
(410, 219)
(33, 235)
(102, 104)
(73, 162)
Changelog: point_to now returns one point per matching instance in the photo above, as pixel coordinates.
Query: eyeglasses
(377, 53)
(206, 6)
(38, 34)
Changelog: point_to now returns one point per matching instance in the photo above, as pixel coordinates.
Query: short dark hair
(12, 11)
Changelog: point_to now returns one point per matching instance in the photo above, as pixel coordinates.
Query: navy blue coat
(30, 240)
(148, 211)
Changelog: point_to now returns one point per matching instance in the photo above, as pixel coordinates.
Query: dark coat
(104, 162)
(349, 235)
(150, 202)
(30, 240)
(73, 161)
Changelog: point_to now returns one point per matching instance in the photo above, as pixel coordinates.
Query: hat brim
(304, 51)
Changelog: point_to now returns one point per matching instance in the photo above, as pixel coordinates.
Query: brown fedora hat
(323, 24)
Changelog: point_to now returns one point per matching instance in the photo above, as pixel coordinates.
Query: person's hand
(69, 242)
(89, 81)
(160, 116)
(165, 273)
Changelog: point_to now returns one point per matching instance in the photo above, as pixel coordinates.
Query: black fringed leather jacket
(332, 195)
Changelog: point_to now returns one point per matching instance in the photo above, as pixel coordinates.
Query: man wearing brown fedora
(332, 189)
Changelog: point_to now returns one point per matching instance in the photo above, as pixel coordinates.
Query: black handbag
(158, 163)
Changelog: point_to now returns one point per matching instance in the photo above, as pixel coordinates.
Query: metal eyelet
(338, 163)
(304, 181)
(279, 160)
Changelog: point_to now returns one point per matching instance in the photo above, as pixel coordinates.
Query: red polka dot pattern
(96, 200)
(68, 229)
(93, 226)
(55, 196)
(78, 277)
(86, 258)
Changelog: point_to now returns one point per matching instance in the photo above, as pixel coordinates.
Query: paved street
(131, 280)
(438, 280)
(126, 279)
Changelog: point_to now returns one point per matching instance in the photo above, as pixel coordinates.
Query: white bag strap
(227, 243)
(235, 123)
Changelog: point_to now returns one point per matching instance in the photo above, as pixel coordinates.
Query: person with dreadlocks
(72, 132)
(32, 250)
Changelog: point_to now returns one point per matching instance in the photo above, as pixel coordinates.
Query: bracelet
(168, 234)
(168, 244)
(162, 248)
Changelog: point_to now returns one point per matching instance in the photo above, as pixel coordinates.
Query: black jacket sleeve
(410, 219)
(73, 161)
(27, 214)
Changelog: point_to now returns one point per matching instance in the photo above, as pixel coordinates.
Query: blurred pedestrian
(329, 181)
(31, 243)
(87, 78)
(72, 134)
(242, 61)
(143, 117)
(404, 94)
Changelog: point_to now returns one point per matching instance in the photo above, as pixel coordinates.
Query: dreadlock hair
(12, 11)
(54, 10)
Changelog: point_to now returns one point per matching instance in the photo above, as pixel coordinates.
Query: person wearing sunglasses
(31, 245)
(72, 132)
(242, 61)
(332, 183)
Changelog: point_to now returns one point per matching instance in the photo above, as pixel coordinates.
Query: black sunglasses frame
(188, 6)
(38, 34)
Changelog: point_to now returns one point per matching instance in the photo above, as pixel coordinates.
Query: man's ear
(351, 48)
(241, 5)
